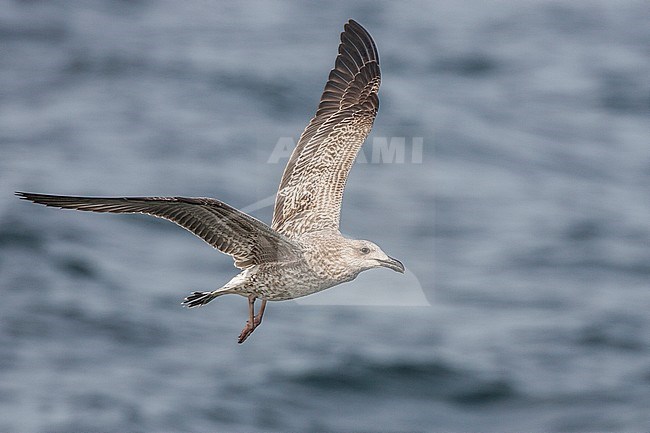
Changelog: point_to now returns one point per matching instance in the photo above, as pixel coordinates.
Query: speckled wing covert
(248, 240)
(311, 190)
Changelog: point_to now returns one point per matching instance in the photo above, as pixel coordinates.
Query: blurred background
(526, 225)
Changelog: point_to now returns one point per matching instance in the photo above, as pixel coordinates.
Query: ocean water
(525, 224)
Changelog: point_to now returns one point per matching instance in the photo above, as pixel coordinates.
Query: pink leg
(253, 320)
(260, 313)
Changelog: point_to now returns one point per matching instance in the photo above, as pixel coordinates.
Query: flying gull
(303, 251)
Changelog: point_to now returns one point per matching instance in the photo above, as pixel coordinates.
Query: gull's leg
(253, 320)
(260, 313)
(250, 324)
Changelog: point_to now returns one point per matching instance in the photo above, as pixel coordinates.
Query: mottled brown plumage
(303, 251)
(311, 190)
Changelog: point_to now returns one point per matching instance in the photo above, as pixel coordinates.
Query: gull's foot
(248, 330)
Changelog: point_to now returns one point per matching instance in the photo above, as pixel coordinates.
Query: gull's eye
(365, 250)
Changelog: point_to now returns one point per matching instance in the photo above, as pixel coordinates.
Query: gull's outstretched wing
(248, 240)
(311, 191)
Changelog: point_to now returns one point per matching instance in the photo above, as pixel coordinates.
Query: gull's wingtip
(354, 24)
(44, 199)
(351, 23)
(29, 196)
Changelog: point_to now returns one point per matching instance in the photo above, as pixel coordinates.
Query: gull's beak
(393, 264)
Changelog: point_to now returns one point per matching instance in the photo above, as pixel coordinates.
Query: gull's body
(303, 251)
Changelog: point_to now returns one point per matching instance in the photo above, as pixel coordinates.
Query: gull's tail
(197, 299)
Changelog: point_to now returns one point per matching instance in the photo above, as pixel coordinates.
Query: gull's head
(366, 255)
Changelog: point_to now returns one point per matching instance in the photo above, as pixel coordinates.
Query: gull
(303, 251)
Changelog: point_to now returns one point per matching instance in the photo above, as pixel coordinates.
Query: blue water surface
(525, 224)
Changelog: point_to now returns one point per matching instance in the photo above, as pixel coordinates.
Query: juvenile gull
(303, 252)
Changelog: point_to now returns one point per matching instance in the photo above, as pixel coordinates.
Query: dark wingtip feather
(352, 23)
(44, 199)
(360, 31)
(30, 196)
